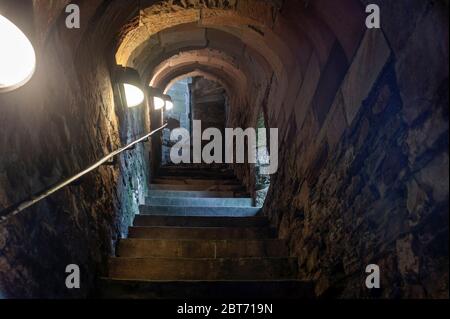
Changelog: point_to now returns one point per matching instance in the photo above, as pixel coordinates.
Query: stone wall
(362, 203)
(364, 178)
(62, 121)
(363, 174)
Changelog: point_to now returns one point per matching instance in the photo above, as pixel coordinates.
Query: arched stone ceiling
(227, 81)
(167, 44)
(290, 48)
(250, 23)
(196, 73)
(167, 14)
(203, 57)
(285, 33)
(279, 40)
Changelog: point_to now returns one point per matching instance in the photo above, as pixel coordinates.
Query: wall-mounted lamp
(17, 56)
(131, 83)
(157, 98)
(169, 102)
(160, 100)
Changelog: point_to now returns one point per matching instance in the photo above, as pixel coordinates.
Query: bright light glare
(158, 103)
(17, 56)
(133, 94)
(169, 105)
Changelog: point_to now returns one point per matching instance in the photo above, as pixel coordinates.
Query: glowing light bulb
(133, 95)
(158, 103)
(169, 105)
(17, 56)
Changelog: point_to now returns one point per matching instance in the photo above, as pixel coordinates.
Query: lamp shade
(17, 56)
(168, 101)
(131, 83)
(158, 103)
(133, 95)
(157, 97)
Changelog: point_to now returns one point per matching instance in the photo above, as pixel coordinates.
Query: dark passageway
(361, 119)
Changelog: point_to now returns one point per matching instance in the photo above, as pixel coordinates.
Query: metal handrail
(16, 209)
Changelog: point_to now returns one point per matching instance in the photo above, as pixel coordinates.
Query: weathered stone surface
(358, 199)
(434, 177)
(61, 122)
(419, 74)
(167, 38)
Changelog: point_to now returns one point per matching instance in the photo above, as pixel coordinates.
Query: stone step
(226, 289)
(199, 221)
(186, 187)
(199, 182)
(199, 202)
(203, 268)
(195, 174)
(198, 210)
(194, 194)
(201, 248)
(207, 233)
(196, 171)
(200, 166)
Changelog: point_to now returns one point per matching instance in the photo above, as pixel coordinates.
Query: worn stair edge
(199, 202)
(192, 194)
(204, 166)
(217, 233)
(199, 210)
(200, 182)
(195, 175)
(135, 248)
(257, 268)
(192, 187)
(246, 289)
(200, 221)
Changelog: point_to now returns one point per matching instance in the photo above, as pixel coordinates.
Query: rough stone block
(419, 74)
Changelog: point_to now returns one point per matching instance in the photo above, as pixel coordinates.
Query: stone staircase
(198, 236)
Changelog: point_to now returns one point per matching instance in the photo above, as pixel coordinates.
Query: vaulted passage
(357, 118)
